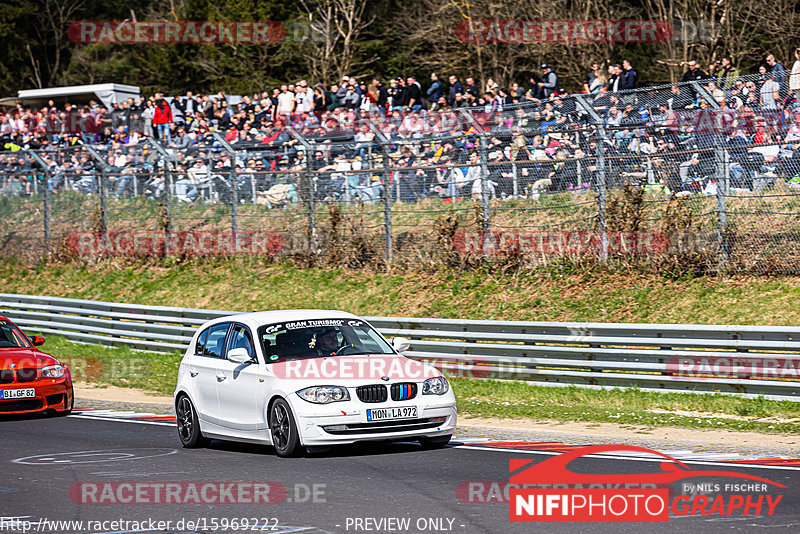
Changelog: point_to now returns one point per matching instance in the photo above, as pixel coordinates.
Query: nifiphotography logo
(550, 491)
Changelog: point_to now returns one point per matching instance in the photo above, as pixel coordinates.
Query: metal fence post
(515, 180)
(45, 198)
(166, 158)
(600, 143)
(722, 171)
(311, 178)
(384, 142)
(234, 188)
(721, 157)
(601, 192)
(485, 193)
(101, 186)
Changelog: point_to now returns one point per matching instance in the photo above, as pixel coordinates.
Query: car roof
(256, 319)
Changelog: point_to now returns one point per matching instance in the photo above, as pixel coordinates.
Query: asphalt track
(358, 489)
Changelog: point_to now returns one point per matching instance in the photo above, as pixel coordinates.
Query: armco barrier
(744, 360)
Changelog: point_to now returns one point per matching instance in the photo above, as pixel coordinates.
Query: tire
(188, 426)
(283, 429)
(435, 443)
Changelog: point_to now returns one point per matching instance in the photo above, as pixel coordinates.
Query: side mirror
(401, 344)
(239, 355)
(37, 341)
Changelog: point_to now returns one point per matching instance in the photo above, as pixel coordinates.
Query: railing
(731, 359)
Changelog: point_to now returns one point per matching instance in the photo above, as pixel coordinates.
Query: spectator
(413, 96)
(472, 89)
(769, 91)
(396, 93)
(549, 83)
(351, 100)
(436, 90)
(778, 71)
(590, 78)
(615, 79)
(725, 72)
(304, 100)
(162, 118)
(630, 78)
(694, 73)
(285, 101)
(455, 87)
(383, 95)
(794, 77)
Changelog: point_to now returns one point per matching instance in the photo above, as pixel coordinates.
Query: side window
(241, 338)
(215, 341)
(201, 342)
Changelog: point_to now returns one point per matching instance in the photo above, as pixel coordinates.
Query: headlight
(435, 386)
(53, 371)
(324, 394)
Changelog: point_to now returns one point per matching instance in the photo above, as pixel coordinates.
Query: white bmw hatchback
(306, 378)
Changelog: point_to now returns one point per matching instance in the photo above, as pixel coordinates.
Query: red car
(30, 380)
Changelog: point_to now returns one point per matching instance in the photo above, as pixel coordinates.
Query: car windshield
(11, 336)
(320, 338)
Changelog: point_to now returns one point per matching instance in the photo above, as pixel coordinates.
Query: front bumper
(51, 395)
(351, 427)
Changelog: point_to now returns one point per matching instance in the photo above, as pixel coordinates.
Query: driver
(327, 341)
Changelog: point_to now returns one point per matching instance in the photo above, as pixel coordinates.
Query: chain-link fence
(695, 176)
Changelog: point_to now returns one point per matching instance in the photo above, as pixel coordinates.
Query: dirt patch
(745, 443)
(117, 394)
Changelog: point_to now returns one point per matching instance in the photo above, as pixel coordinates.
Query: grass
(245, 284)
(156, 373)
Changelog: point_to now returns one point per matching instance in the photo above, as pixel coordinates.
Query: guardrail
(743, 360)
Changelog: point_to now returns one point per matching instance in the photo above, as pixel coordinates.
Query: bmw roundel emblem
(385, 378)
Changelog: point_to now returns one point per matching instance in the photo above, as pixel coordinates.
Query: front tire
(283, 429)
(435, 443)
(188, 426)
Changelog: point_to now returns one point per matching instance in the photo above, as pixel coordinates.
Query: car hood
(27, 358)
(351, 371)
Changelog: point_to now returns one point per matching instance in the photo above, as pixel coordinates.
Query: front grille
(382, 427)
(6, 376)
(26, 375)
(21, 405)
(372, 393)
(403, 391)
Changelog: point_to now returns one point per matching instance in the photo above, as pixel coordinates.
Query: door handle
(221, 376)
(192, 373)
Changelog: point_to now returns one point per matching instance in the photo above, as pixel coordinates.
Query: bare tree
(336, 26)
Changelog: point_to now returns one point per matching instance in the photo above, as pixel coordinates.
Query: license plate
(27, 393)
(383, 414)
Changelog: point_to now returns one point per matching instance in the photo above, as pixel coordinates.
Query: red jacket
(163, 113)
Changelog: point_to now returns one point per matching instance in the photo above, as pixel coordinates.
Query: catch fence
(695, 176)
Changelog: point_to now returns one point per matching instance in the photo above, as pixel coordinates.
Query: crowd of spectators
(537, 139)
